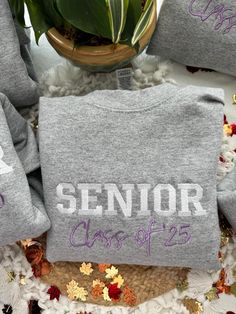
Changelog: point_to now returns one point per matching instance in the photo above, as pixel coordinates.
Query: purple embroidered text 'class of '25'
(81, 236)
(225, 16)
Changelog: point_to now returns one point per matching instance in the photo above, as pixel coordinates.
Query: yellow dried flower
(72, 289)
(75, 292)
(86, 269)
(228, 129)
(119, 280)
(111, 272)
(99, 283)
(81, 294)
(105, 293)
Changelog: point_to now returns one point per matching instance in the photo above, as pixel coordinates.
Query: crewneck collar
(128, 101)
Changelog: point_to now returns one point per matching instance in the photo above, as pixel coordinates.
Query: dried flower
(114, 292)
(86, 269)
(75, 292)
(105, 294)
(97, 291)
(211, 295)
(54, 293)
(22, 280)
(102, 267)
(119, 280)
(34, 254)
(11, 276)
(98, 282)
(182, 285)
(111, 272)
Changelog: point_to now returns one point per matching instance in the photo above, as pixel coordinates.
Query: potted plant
(97, 35)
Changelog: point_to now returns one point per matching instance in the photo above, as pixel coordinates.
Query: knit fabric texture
(22, 211)
(15, 81)
(199, 33)
(227, 197)
(130, 177)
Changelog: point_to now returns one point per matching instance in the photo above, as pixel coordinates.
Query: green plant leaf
(18, 10)
(38, 18)
(143, 22)
(133, 15)
(52, 12)
(117, 17)
(90, 16)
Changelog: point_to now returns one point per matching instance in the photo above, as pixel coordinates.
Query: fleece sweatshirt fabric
(200, 33)
(22, 212)
(130, 177)
(15, 81)
(227, 197)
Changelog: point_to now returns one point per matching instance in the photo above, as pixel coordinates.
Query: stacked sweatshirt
(130, 177)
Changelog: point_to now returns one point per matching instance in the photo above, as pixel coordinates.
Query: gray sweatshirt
(15, 81)
(130, 177)
(200, 33)
(22, 213)
(227, 197)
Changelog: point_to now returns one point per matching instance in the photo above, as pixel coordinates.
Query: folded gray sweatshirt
(22, 212)
(15, 81)
(200, 33)
(227, 197)
(130, 177)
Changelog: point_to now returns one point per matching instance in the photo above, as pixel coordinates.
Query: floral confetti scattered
(193, 306)
(98, 282)
(86, 269)
(75, 292)
(114, 291)
(97, 291)
(182, 285)
(22, 280)
(34, 254)
(105, 293)
(119, 280)
(54, 293)
(102, 267)
(111, 272)
(11, 276)
(211, 295)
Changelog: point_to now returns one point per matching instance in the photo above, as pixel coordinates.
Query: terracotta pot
(104, 58)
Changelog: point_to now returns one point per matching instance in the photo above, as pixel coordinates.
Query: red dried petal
(114, 292)
(54, 293)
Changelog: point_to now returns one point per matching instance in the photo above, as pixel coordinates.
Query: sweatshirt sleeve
(23, 137)
(226, 197)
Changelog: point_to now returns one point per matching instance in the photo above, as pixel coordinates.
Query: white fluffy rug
(64, 80)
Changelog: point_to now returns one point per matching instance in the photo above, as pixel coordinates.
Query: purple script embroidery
(223, 14)
(145, 236)
(2, 201)
(80, 236)
(179, 235)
